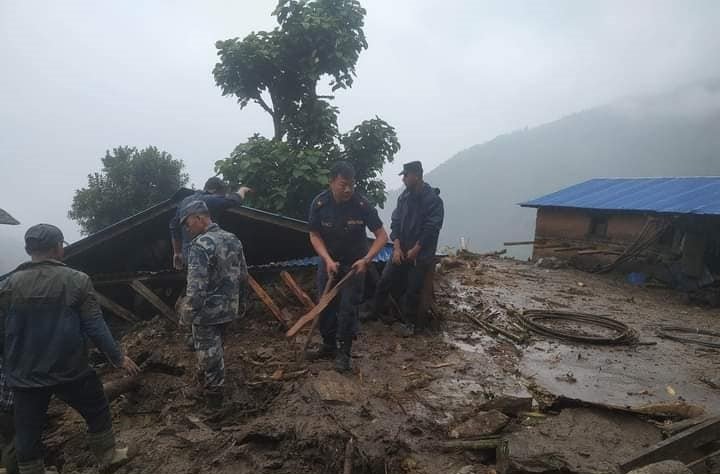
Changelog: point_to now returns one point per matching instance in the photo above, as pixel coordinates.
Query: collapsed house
(666, 228)
(130, 262)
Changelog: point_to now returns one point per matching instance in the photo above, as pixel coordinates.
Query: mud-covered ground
(407, 398)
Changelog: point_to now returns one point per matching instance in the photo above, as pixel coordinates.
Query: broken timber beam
(322, 304)
(524, 242)
(116, 388)
(296, 290)
(265, 298)
(115, 308)
(154, 300)
(705, 464)
(675, 446)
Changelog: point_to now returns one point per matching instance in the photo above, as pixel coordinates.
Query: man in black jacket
(415, 227)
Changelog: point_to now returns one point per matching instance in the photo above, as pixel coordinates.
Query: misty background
(524, 97)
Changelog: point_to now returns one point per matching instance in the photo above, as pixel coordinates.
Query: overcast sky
(80, 77)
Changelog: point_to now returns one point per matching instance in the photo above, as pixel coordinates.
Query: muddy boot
(108, 455)
(327, 351)
(342, 360)
(214, 398)
(35, 467)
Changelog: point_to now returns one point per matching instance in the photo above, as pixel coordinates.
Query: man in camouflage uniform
(216, 287)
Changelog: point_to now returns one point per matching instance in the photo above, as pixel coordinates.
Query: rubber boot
(342, 360)
(34, 467)
(214, 398)
(108, 455)
(327, 351)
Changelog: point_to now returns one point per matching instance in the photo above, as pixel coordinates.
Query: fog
(81, 77)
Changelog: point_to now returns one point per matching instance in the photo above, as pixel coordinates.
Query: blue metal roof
(383, 257)
(684, 195)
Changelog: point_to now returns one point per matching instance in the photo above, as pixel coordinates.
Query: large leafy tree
(131, 180)
(280, 71)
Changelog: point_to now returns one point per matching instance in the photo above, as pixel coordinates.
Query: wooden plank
(572, 249)
(674, 447)
(322, 304)
(115, 308)
(705, 464)
(328, 287)
(154, 300)
(524, 242)
(296, 290)
(265, 298)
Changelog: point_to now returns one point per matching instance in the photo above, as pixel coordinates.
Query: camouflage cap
(42, 237)
(191, 208)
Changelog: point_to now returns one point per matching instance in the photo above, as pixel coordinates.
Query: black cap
(192, 208)
(414, 167)
(214, 184)
(42, 237)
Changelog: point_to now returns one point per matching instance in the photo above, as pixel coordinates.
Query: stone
(508, 404)
(663, 467)
(481, 424)
(332, 387)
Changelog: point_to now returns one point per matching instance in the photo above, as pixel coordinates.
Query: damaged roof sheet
(679, 195)
(6, 218)
(142, 242)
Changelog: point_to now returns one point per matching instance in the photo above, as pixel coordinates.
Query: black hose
(666, 332)
(532, 319)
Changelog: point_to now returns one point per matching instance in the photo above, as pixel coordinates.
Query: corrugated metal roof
(683, 195)
(6, 218)
(384, 256)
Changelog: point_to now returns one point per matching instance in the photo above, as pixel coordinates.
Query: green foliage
(289, 180)
(368, 147)
(280, 70)
(131, 180)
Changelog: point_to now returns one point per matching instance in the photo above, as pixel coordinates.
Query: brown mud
(406, 395)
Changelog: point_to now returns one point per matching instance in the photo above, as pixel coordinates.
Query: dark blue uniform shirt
(342, 225)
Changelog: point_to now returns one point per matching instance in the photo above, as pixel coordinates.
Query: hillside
(674, 134)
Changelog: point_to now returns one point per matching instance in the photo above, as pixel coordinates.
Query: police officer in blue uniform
(338, 219)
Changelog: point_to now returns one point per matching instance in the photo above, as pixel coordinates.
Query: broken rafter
(154, 300)
(115, 308)
(322, 304)
(265, 298)
(675, 446)
(296, 290)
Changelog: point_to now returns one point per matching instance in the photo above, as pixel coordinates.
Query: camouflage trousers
(208, 344)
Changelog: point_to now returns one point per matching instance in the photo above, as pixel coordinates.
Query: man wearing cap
(415, 227)
(47, 313)
(216, 288)
(215, 196)
(338, 219)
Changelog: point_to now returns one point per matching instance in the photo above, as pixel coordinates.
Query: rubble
(419, 405)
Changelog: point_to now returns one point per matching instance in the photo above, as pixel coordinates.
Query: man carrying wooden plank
(338, 219)
(216, 287)
(47, 313)
(415, 227)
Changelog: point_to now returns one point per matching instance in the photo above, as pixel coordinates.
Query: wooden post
(265, 298)
(115, 308)
(672, 448)
(296, 290)
(154, 300)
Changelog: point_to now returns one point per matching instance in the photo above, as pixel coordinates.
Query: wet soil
(405, 395)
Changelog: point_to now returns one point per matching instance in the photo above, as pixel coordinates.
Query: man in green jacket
(47, 314)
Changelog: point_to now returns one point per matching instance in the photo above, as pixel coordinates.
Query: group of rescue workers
(48, 311)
